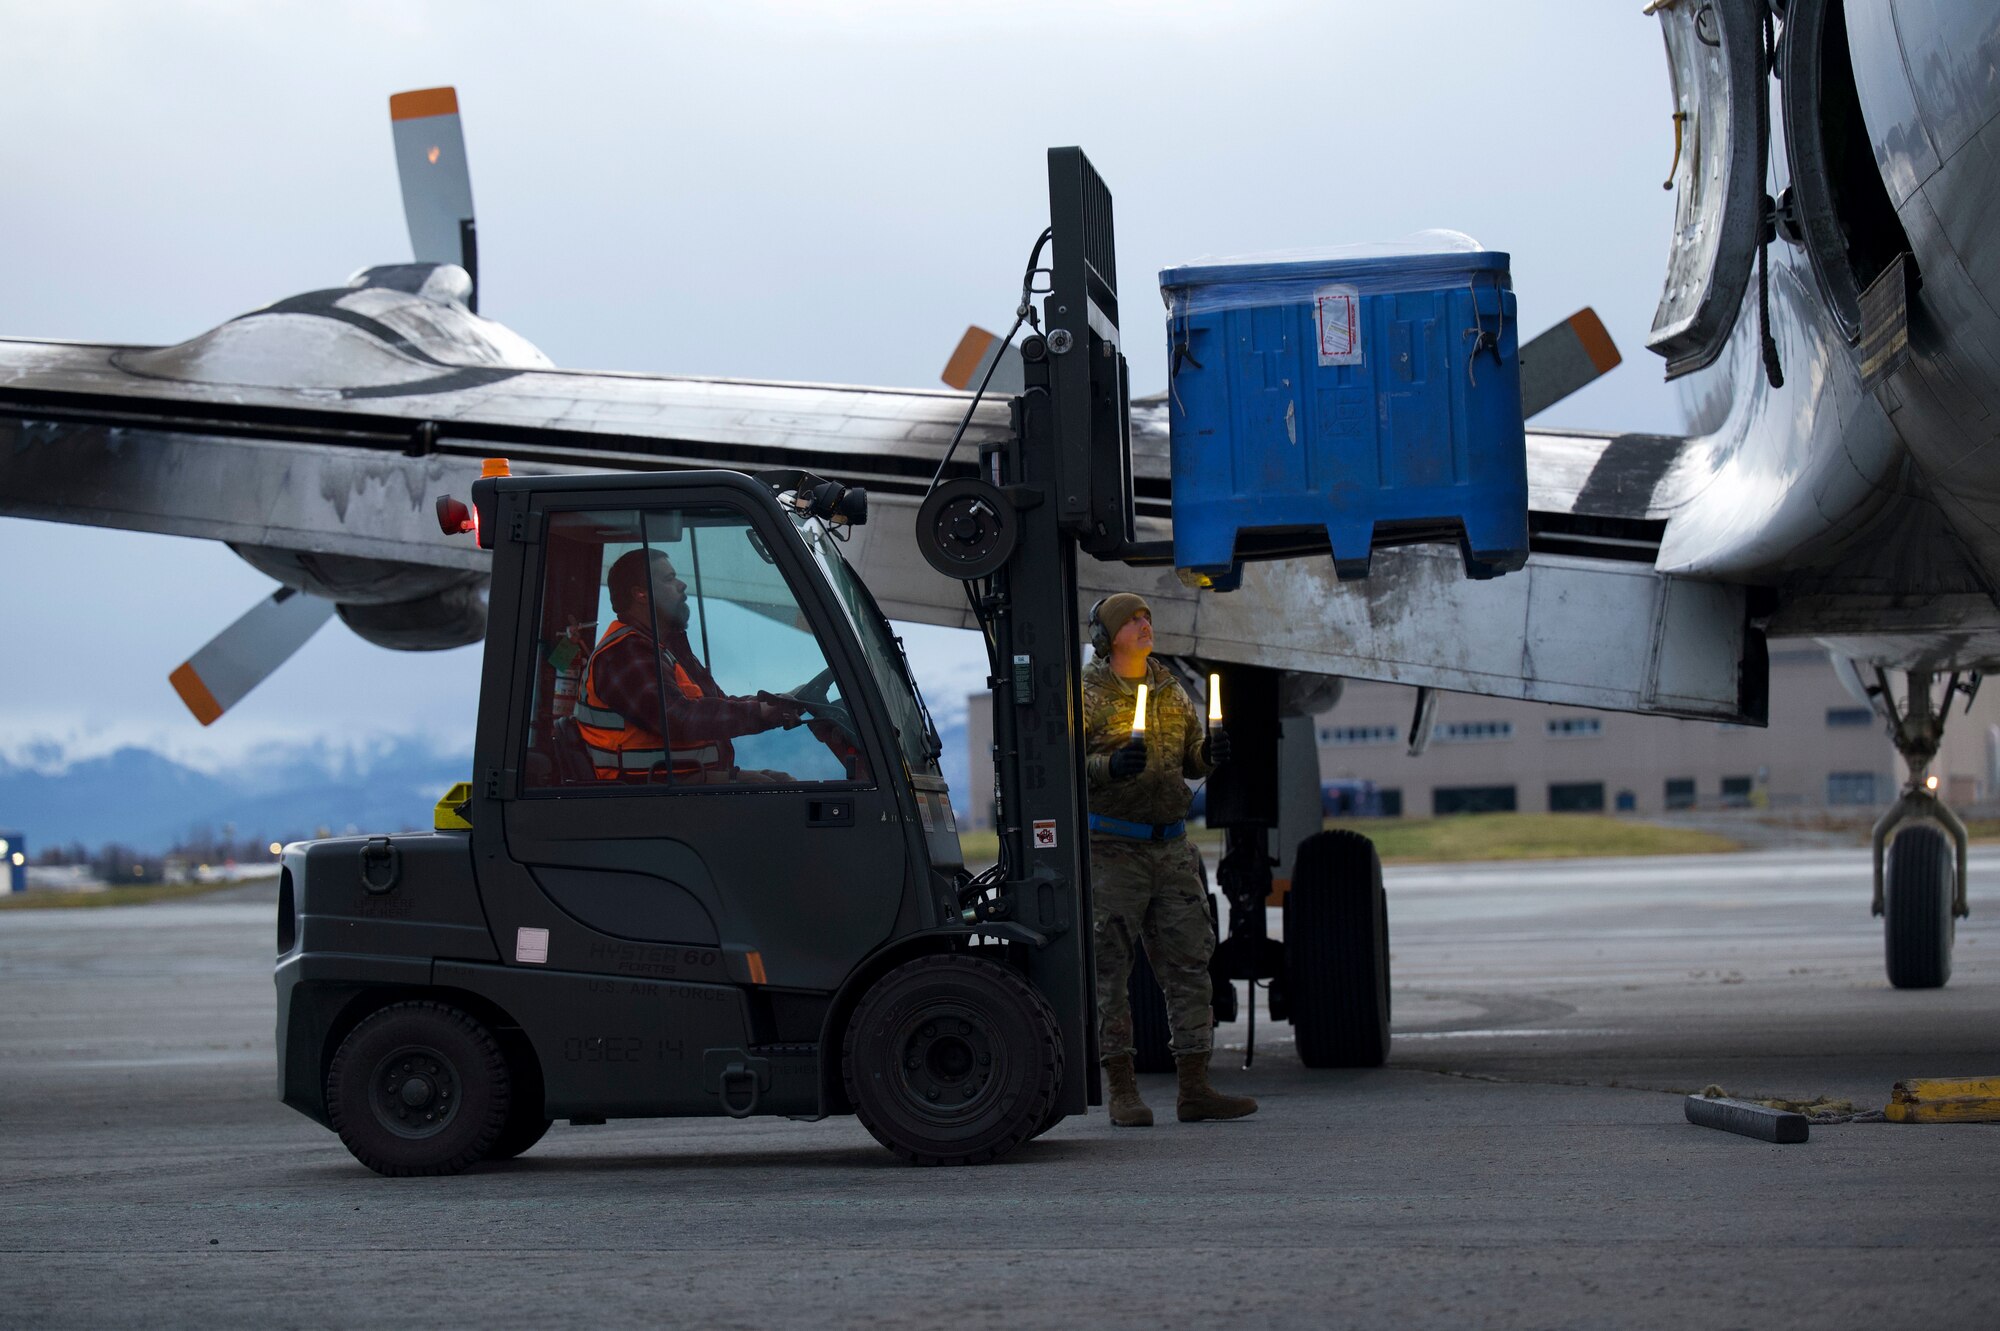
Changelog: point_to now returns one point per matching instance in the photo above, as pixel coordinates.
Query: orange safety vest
(619, 748)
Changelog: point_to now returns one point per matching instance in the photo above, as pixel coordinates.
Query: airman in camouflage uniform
(1143, 876)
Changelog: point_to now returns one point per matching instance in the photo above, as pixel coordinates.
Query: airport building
(1822, 750)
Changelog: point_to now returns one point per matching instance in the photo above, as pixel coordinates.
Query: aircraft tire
(418, 1088)
(1917, 923)
(952, 1060)
(1337, 952)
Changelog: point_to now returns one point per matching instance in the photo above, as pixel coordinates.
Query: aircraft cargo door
(1715, 56)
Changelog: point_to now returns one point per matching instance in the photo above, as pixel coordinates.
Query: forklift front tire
(419, 1088)
(952, 1060)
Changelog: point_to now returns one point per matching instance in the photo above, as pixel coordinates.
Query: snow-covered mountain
(146, 800)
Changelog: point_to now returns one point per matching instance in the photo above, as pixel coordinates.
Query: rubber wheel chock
(1749, 1119)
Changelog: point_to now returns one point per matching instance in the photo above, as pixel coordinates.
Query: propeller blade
(437, 183)
(239, 658)
(976, 351)
(1564, 359)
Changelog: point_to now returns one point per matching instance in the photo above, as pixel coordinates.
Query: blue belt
(1137, 831)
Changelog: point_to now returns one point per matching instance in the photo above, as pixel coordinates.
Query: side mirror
(454, 518)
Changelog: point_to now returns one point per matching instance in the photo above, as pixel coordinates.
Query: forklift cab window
(672, 654)
(915, 735)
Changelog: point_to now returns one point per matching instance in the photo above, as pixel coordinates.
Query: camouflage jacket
(1174, 736)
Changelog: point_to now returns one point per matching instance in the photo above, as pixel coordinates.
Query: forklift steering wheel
(835, 715)
(812, 699)
(814, 690)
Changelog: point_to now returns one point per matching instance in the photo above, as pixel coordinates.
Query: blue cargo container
(1376, 400)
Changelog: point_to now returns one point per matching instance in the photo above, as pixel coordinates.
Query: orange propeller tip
(423, 102)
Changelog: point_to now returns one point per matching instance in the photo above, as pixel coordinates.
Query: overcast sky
(820, 191)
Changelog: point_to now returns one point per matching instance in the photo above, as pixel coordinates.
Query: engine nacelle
(404, 607)
(452, 617)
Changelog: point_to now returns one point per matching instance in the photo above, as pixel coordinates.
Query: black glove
(1216, 748)
(1129, 761)
(791, 711)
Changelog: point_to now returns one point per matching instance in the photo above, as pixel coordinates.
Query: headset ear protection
(1100, 641)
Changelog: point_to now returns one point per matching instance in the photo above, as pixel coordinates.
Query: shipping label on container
(1337, 315)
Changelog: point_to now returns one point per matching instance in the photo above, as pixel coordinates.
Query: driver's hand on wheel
(774, 711)
(1129, 761)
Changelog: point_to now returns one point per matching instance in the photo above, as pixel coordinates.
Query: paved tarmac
(1521, 1161)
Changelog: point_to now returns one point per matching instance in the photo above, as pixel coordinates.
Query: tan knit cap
(1118, 608)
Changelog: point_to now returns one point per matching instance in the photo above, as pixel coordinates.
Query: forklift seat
(571, 754)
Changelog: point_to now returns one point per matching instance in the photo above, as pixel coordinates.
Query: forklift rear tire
(418, 1088)
(525, 1125)
(522, 1131)
(1917, 923)
(1337, 953)
(952, 1060)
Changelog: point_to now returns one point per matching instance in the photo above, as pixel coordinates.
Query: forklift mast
(1061, 482)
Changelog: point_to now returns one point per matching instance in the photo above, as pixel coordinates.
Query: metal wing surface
(222, 444)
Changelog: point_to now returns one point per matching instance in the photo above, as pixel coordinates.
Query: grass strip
(57, 899)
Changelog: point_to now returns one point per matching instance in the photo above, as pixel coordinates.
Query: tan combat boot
(1199, 1100)
(1127, 1109)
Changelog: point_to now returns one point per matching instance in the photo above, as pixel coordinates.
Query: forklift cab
(792, 851)
(707, 866)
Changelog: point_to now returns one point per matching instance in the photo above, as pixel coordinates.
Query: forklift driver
(622, 685)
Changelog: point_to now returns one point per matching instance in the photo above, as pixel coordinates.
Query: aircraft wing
(210, 441)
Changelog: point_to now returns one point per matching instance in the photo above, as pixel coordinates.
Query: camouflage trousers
(1148, 892)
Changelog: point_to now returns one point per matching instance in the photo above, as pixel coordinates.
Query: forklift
(751, 903)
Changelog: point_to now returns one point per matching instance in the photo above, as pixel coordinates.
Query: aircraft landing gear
(1920, 877)
(1329, 975)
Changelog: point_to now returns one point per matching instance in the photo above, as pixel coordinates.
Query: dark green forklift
(750, 922)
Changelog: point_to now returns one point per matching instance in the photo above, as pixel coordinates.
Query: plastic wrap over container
(1370, 395)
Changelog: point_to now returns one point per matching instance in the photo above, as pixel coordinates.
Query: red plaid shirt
(628, 675)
